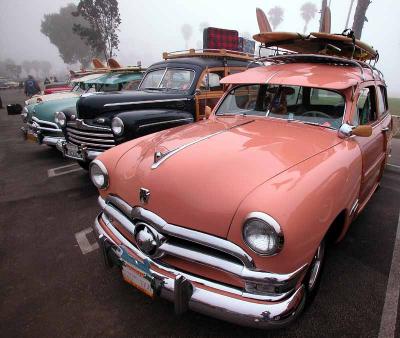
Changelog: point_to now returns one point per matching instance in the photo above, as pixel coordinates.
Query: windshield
(168, 79)
(308, 105)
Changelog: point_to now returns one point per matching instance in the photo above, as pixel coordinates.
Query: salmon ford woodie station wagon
(231, 216)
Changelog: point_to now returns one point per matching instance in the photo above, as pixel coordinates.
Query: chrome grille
(82, 134)
(193, 246)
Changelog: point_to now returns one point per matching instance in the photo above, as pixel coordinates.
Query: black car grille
(93, 137)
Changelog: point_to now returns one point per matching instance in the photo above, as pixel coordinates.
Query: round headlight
(60, 119)
(99, 174)
(263, 234)
(117, 126)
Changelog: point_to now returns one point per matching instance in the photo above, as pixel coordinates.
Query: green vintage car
(39, 118)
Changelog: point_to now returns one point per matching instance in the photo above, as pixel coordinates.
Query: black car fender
(143, 122)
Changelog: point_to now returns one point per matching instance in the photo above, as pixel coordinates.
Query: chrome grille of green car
(93, 137)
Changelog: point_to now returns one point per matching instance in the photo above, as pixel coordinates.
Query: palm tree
(187, 31)
(308, 11)
(275, 15)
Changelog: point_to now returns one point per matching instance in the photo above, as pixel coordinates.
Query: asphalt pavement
(53, 282)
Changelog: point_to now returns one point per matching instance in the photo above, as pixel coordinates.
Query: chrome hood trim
(160, 158)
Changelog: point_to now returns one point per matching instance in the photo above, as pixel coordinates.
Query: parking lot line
(63, 170)
(83, 242)
(389, 313)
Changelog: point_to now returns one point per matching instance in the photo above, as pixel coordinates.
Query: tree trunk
(359, 17)
(321, 20)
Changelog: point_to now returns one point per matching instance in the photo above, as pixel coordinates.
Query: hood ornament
(144, 195)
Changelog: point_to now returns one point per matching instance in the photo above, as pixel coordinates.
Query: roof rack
(212, 53)
(322, 59)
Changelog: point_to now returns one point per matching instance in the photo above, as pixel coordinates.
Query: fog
(150, 27)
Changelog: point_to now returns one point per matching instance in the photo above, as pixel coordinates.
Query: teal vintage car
(39, 118)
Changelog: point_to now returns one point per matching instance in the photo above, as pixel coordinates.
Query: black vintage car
(173, 92)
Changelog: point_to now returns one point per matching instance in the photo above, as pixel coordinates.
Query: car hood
(51, 97)
(218, 163)
(45, 110)
(93, 105)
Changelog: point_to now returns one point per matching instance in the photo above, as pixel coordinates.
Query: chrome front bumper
(40, 138)
(213, 299)
(87, 155)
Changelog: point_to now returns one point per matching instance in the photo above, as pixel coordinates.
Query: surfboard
(363, 50)
(263, 23)
(273, 38)
(112, 63)
(98, 64)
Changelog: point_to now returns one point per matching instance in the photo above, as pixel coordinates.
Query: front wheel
(313, 277)
(84, 165)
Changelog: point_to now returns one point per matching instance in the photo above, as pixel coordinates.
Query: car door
(374, 147)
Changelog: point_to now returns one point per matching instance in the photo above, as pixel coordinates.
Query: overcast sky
(150, 27)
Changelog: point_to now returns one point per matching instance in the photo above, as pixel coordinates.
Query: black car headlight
(60, 119)
(117, 126)
(263, 234)
(99, 174)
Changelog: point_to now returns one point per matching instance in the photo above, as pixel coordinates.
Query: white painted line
(83, 242)
(389, 313)
(393, 165)
(61, 170)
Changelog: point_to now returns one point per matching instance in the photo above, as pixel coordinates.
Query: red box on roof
(218, 38)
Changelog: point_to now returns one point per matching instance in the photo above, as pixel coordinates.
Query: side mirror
(364, 130)
(14, 109)
(346, 130)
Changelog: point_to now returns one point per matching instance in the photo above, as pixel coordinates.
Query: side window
(382, 96)
(366, 106)
(211, 81)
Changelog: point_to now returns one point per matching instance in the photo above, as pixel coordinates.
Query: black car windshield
(168, 79)
(308, 105)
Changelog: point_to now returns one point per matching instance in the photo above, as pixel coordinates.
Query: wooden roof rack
(210, 53)
(322, 59)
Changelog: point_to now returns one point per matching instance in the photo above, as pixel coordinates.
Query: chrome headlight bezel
(60, 119)
(117, 126)
(97, 168)
(268, 227)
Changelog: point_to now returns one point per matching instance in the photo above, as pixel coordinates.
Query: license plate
(31, 137)
(71, 150)
(137, 278)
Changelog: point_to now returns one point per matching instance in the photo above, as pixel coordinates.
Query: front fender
(147, 121)
(304, 200)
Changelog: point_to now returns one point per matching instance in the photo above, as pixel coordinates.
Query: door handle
(385, 129)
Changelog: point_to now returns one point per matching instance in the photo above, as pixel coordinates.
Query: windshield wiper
(315, 124)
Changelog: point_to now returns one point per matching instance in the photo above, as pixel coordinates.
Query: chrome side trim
(164, 122)
(354, 207)
(176, 150)
(142, 102)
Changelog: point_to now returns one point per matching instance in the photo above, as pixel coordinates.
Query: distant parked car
(57, 87)
(41, 123)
